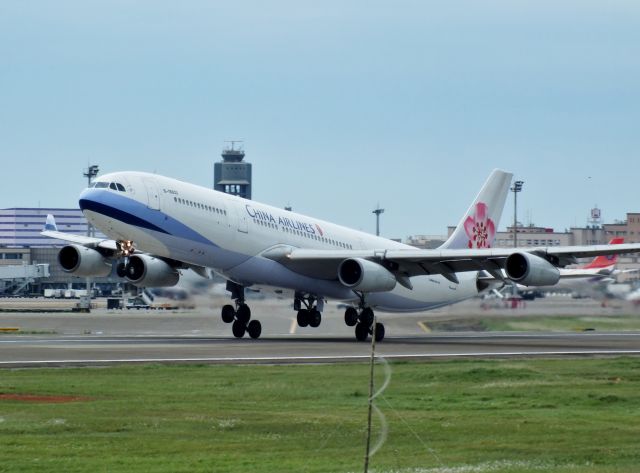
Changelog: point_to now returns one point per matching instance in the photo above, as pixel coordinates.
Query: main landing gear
(311, 314)
(240, 315)
(363, 319)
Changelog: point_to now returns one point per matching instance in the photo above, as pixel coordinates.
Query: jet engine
(82, 261)
(363, 275)
(149, 271)
(531, 270)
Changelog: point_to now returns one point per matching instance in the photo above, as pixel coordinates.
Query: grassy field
(538, 323)
(442, 417)
(601, 323)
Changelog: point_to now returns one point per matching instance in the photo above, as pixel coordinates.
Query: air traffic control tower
(233, 175)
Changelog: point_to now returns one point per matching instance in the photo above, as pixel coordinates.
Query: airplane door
(153, 196)
(241, 217)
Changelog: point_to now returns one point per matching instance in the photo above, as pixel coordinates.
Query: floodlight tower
(90, 173)
(378, 211)
(517, 187)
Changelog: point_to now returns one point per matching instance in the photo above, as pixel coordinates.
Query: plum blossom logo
(480, 229)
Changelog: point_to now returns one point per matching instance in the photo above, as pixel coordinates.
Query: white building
(20, 227)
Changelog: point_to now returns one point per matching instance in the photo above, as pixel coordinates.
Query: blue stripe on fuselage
(132, 212)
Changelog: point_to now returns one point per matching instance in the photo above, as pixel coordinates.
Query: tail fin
(605, 261)
(477, 229)
(50, 223)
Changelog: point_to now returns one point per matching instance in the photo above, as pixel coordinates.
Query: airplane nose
(89, 198)
(83, 199)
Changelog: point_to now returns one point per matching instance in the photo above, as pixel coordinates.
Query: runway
(199, 336)
(32, 351)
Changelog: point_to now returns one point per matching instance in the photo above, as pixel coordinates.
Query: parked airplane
(159, 225)
(603, 264)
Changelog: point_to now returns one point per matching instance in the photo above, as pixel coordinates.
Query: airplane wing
(413, 262)
(90, 242)
(51, 231)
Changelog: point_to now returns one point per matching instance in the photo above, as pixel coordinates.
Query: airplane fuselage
(203, 227)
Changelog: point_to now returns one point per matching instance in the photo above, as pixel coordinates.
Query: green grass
(563, 323)
(538, 323)
(445, 417)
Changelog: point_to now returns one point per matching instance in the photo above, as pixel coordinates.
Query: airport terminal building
(20, 227)
(22, 245)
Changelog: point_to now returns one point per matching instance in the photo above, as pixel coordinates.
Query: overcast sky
(341, 104)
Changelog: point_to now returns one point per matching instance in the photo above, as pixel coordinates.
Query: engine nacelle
(531, 270)
(82, 261)
(149, 271)
(363, 275)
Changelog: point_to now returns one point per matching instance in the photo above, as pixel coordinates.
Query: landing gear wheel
(362, 332)
(228, 314)
(351, 316)
(303, 317)
(254, 329)
(243, 314)
(379, 332)
(315, 317)
(238, 329)
(366, 317)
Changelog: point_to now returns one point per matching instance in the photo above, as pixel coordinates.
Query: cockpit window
(113, 186)
(120, 187)
(101, 185)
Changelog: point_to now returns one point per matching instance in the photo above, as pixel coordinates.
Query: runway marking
(294, 326)
(425, 328)
(80, 339)
(321, 358)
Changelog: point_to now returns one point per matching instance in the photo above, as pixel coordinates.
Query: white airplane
(160, 225)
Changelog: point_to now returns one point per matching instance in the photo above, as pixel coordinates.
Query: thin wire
(415, 434)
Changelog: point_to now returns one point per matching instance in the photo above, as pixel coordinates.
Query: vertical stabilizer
(50, 223)
(478, 227)
(601, 262)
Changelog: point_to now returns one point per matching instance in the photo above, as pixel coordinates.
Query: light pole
(517, 187)
(89, 173)
(378, 211)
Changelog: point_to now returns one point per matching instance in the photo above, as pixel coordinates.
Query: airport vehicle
(159, 225)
